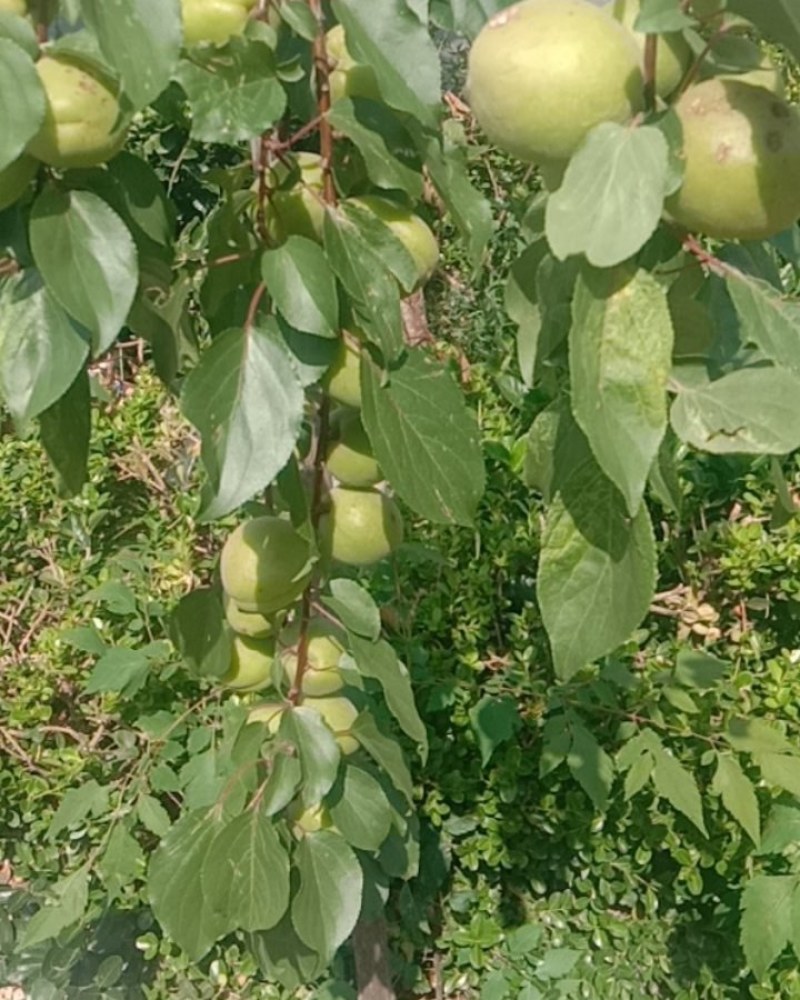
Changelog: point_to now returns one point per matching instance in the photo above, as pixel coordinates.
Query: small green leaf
(766, 919)
(781, 770)
(22, 101)
(494, 722)
(590, 765)
(694, 668)
(556, 740)
(385, 752)
(78, 803)
(754, 735)
(767, 319)
(379, 660)
(355, 608)
(199, 632)
(317, 750)
(71, 897)
(123, 670)
(281, 786)
(677, 785)
(738, 796)
(299, 279)
(361, 813)
(121, 862)
(154, 817)
(781, 830)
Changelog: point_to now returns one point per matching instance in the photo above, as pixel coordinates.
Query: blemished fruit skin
(339, 714)
(15, 179)
(741, 148)
(348, 78)
(81, 124)
(412, 231)
(343, 378)
(252, 624)
(321, 675)
(214, 21)
(14, 7)
(350, 457)
(265, 565)
(673, 54)
(298, 210)
(544, 72)
(269, 714)
(361, 528)
(251, 664)
(742, 60)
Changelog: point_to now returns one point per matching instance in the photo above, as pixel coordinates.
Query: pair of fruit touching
(543, 73)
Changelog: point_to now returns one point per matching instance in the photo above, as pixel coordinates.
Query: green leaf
(153, 816)
(612, 196)
(284, 958)
(597, 566)
(281, 786)
(71, 897)
(522, 305)
(556, 963)
(22, 101)
(379, 660)
(141, 39)
(540, 447)
(65, 429)
(245, 873)
(234, 94)
(750, 411)
(766, 919)
(87, 258)
(660, 16)
(123, 670)
(328, 902)
(781, 770)
(767, 319)
(738, 796)
(590, 765)
(384, 751)
(20, 31)
(495, 986)
(385, 245)
(778, 20)
(425, 439)
(199, 632)
(556, 741)
(41, 348)
(494, 722)
(247, 402)
(317, 749)
(121, 862)
(299, 279)
(386, 35)
(175, 888)
(675, 784)
(361, 813)
(753, 735)
(78, 803)
(782, 829)
(383, 142)
(355, 608)
(620, 359)
(694, 668)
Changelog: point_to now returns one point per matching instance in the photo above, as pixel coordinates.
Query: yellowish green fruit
(250, 623)
(673, 54)
(14, 7)
(321, 675)
(214, 21)
(741, 148)
(544, 72)
(265, 565)
(339, 714)
(251, 664)
(269, 714)
(343, 378)
(350, 457)
(308, 820)
(736, 58)
(348, 78)
(361, 528)
(298, 209)
(15, 180)
(412, 231)
(81, 126)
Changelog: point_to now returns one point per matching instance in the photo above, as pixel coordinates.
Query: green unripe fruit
(321, 675)
(308, 820)
(250, 623)
(339, 714)
(412, 231)
(348, 78)
(741, 147)
(81, 123)
(740, 59)
(343, 378)
(350, 456)
(298, 210)
(361, 528)
(544, 72)
(214, 21)
(673, 53)
(15, 179)
(269, 714)
(265, 565)
(251, 664)
(14, 7)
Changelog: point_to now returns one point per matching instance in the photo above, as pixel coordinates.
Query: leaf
(379, 660)
(328, 901)
(355, 608)
(247, 402)
(750, 411)
(781, 770)
(78, 803)
(121, 862)
(384, 751)
(141, 39)
(522, 305)
(767, 319)
(425, 439)
(620, 360)
(660, 16)
(299, 279)
(65, 429)
(556, 741)
(695, 668)
(386, 246)
(386, 35)
(465, 16)
(590, 765)
(71, 897)
(123, 670)
(597, 567)
(494, 722)
(87, 258)
(153, 816)
(612, 196)
(282, 784)
(738, 796)
(22, 101)
(175, 888)
(753, 735)
(675, 784)
(362, 813)
(199, 632)
(245, 873)
(317, 749)
(556, 963)
(782, 829)
(540, 447)
(766, 919)
(20, 31)
(778, 20)
(234, 94)
(284, 958)
(495, 985)
(41, 348)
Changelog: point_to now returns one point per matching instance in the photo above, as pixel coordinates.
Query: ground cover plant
(351, 649)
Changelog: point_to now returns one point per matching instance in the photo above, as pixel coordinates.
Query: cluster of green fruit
(543, 73)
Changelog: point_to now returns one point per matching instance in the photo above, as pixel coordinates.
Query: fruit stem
(322, 67)
(650, 60)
